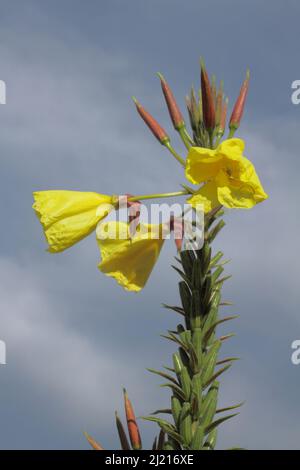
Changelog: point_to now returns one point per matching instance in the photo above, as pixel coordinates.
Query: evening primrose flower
(69, 216)
(228, 177)
(129, 259)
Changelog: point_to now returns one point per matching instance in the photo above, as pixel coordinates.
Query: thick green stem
(194, 384)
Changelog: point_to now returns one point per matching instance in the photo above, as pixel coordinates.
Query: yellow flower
(129, 260)
(229, 177)
(69, 216)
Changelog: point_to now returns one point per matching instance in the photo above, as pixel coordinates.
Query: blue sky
(74, 338)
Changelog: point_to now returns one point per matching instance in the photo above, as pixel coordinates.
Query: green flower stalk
(194, 376)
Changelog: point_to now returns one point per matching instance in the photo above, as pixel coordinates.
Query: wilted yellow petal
(207, 196)
(231, 148)
(202, 164)
(242, 193)
(230, 177)
(129, 260)
(69, 216)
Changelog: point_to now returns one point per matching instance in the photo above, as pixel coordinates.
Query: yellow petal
(242, 193)
(231, 148)
(129, 260)
(206, 196)
(69, 216)
(202, 164)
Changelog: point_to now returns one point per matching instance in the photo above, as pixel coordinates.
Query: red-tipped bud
(238, 109)
(133, 429)
(94, 444)
(223, 116)
(177, 227)
(122, 434)
(208, 104)
(214, 88)
(174, 111)
(219, 105)
(153, 125)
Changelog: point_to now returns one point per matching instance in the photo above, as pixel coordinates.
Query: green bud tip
(161, 77)
(135, 101)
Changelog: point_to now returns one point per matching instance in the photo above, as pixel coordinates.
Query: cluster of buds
(207, 111)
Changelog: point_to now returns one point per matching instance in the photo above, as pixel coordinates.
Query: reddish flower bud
(174, 111)
(208, 105)
(133, 429)
(122, 434)
(223, 116)
(153, 125)
(177, 227)
(238, 109)
(94, 444)
(219, 105)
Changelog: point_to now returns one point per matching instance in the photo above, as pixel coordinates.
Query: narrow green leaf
(197, 275)
(197, 440)
(167, 411)
(161, 440)
(217, 374)
(210, 362)
(185, 295)
(176, 390)
(210, 331)
(229, 408)
(185, 383)
(164, 375)
(209, 404)
(211, 440)
(176, 409)
(174, 309)
(215, 259)
(182, 275)
(216, 274)
(223, 279)
(186, 424)
(197, 343)
(219, 421)
(215, 230)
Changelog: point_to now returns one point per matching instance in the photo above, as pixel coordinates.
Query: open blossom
(129, 259)
(69, 216)
(228, 177)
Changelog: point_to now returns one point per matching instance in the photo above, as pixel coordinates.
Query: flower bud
(122, 434)
(153, 125)
(193, 110)
(238, 109)
(208, 105)
(176, 226)
(223, 116)
(94, 444)
(219, 105)
(174, 111)
(133, 429)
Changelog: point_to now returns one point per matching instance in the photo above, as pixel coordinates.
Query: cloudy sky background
(74, 338)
